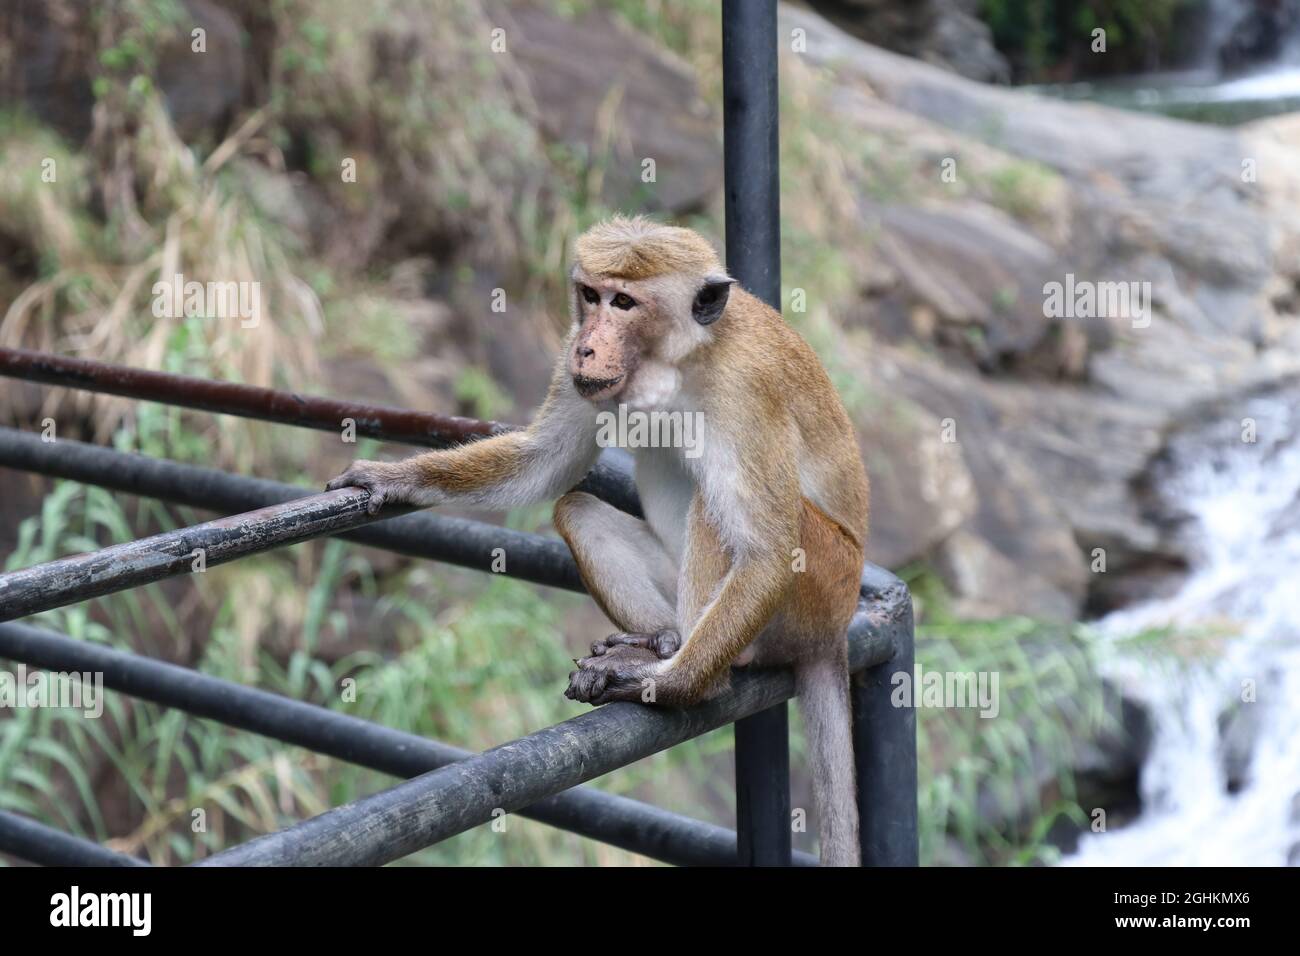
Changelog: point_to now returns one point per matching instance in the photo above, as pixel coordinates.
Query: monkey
(750, 553)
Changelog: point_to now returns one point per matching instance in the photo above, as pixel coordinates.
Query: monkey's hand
(622, 672)
(389, 483)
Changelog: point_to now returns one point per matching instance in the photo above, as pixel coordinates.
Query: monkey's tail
(823, 687)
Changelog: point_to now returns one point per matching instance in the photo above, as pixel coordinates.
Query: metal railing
(449, 790)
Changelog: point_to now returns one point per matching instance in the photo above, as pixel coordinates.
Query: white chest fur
(655, 386)
(666, 489)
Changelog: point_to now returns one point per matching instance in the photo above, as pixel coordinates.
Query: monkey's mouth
(591, 387)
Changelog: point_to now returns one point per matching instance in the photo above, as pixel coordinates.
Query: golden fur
(639, 248)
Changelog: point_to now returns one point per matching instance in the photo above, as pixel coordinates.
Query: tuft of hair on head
(640, 248)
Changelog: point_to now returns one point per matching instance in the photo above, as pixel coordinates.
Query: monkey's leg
(705, 565)
(618, 674)
(626, 569)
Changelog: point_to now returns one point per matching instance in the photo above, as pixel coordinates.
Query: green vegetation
(1044, 37)
(978, 775)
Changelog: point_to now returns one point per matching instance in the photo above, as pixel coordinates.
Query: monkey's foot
(622, 672)
(663, 644)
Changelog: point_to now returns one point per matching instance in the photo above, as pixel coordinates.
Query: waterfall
(1235, 690)
(1221, 16)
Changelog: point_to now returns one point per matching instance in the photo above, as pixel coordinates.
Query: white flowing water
(1233, 646)
(1279, 84)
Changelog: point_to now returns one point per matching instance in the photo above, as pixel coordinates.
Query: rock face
(1052, 419)
(52, 74)
(663, 120)
(948, 33)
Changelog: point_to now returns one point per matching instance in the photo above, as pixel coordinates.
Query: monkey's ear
(711, 299)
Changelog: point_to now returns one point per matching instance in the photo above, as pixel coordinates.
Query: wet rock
(1259, 35)
(1239, 729)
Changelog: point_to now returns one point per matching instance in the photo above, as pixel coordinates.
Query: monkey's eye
(589, 295)
(622, 301)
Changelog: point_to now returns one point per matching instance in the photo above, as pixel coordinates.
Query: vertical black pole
(884, 748)
(749, 93)
(753, 189)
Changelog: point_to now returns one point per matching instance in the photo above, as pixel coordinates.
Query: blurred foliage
(1052, 39)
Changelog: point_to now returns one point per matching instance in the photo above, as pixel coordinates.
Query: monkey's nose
(584, 352)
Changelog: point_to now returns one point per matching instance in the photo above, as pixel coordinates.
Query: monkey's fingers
(357, 477)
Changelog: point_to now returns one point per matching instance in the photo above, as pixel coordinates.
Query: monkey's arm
(505, 471)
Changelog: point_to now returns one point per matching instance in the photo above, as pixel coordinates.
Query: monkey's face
(624, 324)
(616, 324)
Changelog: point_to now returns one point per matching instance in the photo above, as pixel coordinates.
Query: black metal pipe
(628, 824)
(750, 146)
(129, 565)
(753, 223)
(433, 807)
(763, 788)
(246, 401)
(884, 735)
(610, 480)
(458, 541)
(34, 842)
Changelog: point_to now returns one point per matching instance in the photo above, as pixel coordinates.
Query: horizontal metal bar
(129, 565)
(433, 807)
(619, 821)
(34, 842)
(246, 401)
(609, 480)
(472, 544)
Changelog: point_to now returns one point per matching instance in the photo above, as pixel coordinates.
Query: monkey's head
(642, 292)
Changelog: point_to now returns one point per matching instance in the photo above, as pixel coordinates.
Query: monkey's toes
(663, 644)
(621, 639)
(586, 685)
